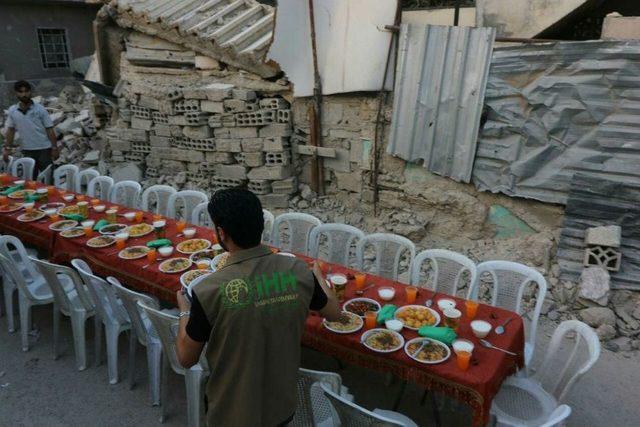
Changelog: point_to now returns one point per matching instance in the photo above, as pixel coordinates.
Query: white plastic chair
(200, 216)
(75, 304)
(5, 167)
(314, 409)
(143, 332)
(509, 280)
(299, 226)
(65, 176)
(100, 187)
(23, 168)
(182, 203)
(126, 193)
(268, 226)
(166, 326)
(340, 239)
(83, 178)
(351, 414)
(158, 197)
(389, 249)
(447, 270)
(112, 315)
(537, 400)
(45, 176)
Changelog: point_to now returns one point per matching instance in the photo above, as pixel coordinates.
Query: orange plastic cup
(28, 207)
(202, 265)
(462, 360)
(360, 280)
(412, 293)
(463, 349)
(55, 217)
(472, 308)
(51, 189)
(370, 319)
(4, 200)
(88, 231)
(95, 202)
(139, 215)
(80, 197)
(157, 217)
(4, 178)
(31, 185)
(120, 243)
(152, 255)
(180, 225)
(62, 192)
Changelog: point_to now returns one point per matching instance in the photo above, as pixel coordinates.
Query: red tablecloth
(476, 387)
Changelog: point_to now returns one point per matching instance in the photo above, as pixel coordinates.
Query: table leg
(436, 413)
(403, 386)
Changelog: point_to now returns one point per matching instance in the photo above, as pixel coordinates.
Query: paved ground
(35, 390)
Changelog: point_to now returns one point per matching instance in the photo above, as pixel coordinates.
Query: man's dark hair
(21, 84)
(239, 213)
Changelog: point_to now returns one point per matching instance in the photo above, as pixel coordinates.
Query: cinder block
(221, 132)
(252, 144)
(285, 186)
(219, 157)
(228, 120)
(274, 159)
(196, 118)
(165, 106)
(256, 118)
(206, 63)
(159, 141)
(197, 132)
(252, 106)
(276, 144)
(202, 144)
(219, 91)
(178, 120)
(239, 158)
(231, 171)
(274, 103)
(275, 200)
(119, 145)
(270, 172)
(140, 112)
(187, 155)
(215, 121)
(219, 182)
(175, 95)
(137, 135)
(137, 123)
(243, 133)
(212, 107)
(234, 105)
(254, 160)
(340, 163)
(244, 94)
(195, 93)
(259, 187)
(275, 129)
(134, 157)
(163, 129)
(609, 235)
(283, 116)
(229, 145)
(159, 118)
(349, 181)
(140, 147)
(186, 105)
(149, 102)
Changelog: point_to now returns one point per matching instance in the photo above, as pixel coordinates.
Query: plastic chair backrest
(137, 315)
(50, 272)
(200, 216)
(12, 273)
(5, 167)
(126, 193)
(12, 248)
(65, 176)
(340, 239)
(558, 373)
(389, 249)
(100, 187)
(104, 296)
(313, 407)
(447, 269)
(83, 178)
(268, 226)
(182, 203)
(166, 325)
(159, 196)
(23, 167)
(45, 176)
(353, 415)
(299, 227)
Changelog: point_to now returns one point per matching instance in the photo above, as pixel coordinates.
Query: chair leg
(193, 382)
(154, 363)
(164, 388)
(97, 327)
(131, 369)
(112, 332)
(25, 322)
(8, 303)
(56, 331)
(78, 321)
(403, 386)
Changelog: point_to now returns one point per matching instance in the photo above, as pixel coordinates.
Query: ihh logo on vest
(262, 290)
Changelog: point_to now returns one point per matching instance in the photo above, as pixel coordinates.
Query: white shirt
(31, 126)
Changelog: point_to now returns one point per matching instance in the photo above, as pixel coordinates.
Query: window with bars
(53, 47)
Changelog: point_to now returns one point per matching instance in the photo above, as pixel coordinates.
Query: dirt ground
(35, 390)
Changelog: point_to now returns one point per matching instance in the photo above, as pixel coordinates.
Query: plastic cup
(360, 279)
(152, 255)
(120, 243)
(31, 185)
(88, 231)
(157, 217)
(472, 308)
(111, 215)
(81, 197)
(28, 207)
(4, 178)
(180, 225)
(203, 264)
(83, 208)
(95, 202)
(159, 227)
(4, 200)
(51, 189)
(339, 283)
(55, 217)
(139, 216)
(463, 350)
(412, 293)
(370, 319)
(452, 318)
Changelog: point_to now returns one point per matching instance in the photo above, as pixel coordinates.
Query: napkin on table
(386, 313)
(74, 217)
(100, 224)
(12, 189)
(159, 243)
(443, 334)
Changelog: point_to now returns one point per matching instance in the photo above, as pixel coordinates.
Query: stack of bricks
(220, 135)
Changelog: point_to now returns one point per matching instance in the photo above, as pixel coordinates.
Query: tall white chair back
(314, 409)
(12, 248)
(351, 414)
(100, 187)
(447, 270)
(45, 176)
(268, 226)
(23, 168)
(340, 239)
(155, 199)
(126, 193)
(389, 252)
(509, 281)
(5, 167)
(298, 228)
(65, 177)
(200, 216)
(182, 203)
(83, 178)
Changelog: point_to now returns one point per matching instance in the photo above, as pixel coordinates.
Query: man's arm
(11, 133)
(54, 142)
(187, 349)
(331, 311)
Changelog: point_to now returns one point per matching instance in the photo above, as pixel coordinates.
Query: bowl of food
(68, 197)
(99, 208)
(360, 306)
(189, 232)
(122, 236)
(165, 251)
(386, 293)
(19, 182)
(130, 216)
(394, 325)
(480, 328)
(446, 303)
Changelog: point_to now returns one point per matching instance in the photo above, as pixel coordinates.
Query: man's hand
(183, 303)
(5, 154)
(55, 153)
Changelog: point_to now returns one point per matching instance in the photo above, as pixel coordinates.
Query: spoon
(429, 302)
(487, 344)
(361, 291)
(500, 328)
(417, 352)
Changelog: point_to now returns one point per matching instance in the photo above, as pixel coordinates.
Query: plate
(21, 194)
(193, 245)
(175, 265)
(347, 324)
(10, 207)
(52, 205)
(69, 210)
(191, 275)
(31, 216)
(64, 224)
(289, 254)
(357, 306)
(219, 261)
(113, 228)
(133, 252)
(101, 241)
(139, 230)
(382, 340)
(408, 315)
(432, 350)
(207, 254)
(72, 232)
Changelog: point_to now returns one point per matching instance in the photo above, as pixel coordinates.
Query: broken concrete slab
(609, 235)
(127, 172)
(594, 285)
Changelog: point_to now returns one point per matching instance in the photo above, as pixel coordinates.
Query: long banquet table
(476, 387)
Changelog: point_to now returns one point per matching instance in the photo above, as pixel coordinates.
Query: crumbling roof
(237, 32)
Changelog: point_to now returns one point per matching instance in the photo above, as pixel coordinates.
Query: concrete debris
(594, 285)
(609, 235)
(597, 316)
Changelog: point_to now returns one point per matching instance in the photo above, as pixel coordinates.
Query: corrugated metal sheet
(439, 92)
(558, 109)
(592, 202)
(237, 32)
